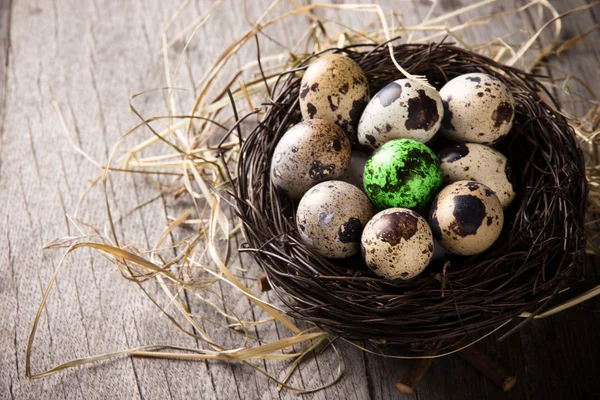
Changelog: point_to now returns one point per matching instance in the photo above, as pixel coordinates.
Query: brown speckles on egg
(477, 162)
(350, 231)
(340, 91)
(331, 219)
(468, 213)
(402, 109)
(422, 112)
(397, 243)
(308, 153)
(503, 114)
(447, 120)
(391, 228)
(463, 218)
(319, 171)
(311, 110)
(304, 91)
(474, 114)
(337, 145)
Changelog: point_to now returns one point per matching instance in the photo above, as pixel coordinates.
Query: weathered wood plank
(90, 56)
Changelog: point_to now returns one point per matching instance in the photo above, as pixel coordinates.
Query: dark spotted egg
(331, 216)
(466, 217)
(397, 244)
(402, 109)
(478, 108)
(334, 88)
(310, 152)
(477, 162)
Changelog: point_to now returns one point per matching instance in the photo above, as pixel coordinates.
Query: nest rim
(521, 272)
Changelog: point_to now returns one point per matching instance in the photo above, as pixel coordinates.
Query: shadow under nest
(541, 246)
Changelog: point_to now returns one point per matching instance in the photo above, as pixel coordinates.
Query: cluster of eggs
(351, 201)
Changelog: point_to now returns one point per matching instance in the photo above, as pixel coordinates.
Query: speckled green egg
(402, 173)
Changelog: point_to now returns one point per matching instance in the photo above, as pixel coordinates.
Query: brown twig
(488, 367)
(416, 370)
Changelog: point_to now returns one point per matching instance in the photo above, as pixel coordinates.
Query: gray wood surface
(88, 57)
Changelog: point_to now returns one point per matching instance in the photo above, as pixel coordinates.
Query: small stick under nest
(540, 249)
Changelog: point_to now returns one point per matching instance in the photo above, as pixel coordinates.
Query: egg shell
(478, 108)
(334, 88)
(397, 244)
(310, 152)
(354, 172)
(466, 217)
(402, 109)
(331, 216)
(481, 163)
(402, 173)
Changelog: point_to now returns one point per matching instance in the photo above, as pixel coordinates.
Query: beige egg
(402, 109)
(478, 108)
(331, 216)
(477, 162)
(466, 217)
(334, 88)
(397, 244)
(310, 152)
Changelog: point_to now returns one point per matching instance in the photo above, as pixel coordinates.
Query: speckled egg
(334, 88)
(397, 244)
(331, 216)
(466, 217)
(310, 152)
(477, 162)
(478, 108)
(403, 109)
(402, 173)
(354, 172)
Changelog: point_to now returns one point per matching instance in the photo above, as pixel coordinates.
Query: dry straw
(204, 155)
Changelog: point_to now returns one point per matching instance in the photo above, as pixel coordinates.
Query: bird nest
(541, 246)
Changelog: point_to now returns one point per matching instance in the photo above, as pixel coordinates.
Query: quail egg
(478, 108)
(477, 162)
(466, 217)
(334, 88)
(310, 152)
(331, 216)
(397, 244)
(402, 109)
(402, 173)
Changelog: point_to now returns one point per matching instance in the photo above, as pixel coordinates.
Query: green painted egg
(402, 173)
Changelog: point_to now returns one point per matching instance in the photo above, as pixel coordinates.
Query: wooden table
(85, 58)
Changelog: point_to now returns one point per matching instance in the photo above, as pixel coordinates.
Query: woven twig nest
(540, 248)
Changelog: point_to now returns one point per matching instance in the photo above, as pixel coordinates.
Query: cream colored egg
(478, 108)
(402, 109)
(310, 152)
(466, 217)
(477, 162)
(331, 216)
(397, 244)
(334, 88)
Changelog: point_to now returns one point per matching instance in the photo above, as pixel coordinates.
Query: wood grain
(89, 56)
